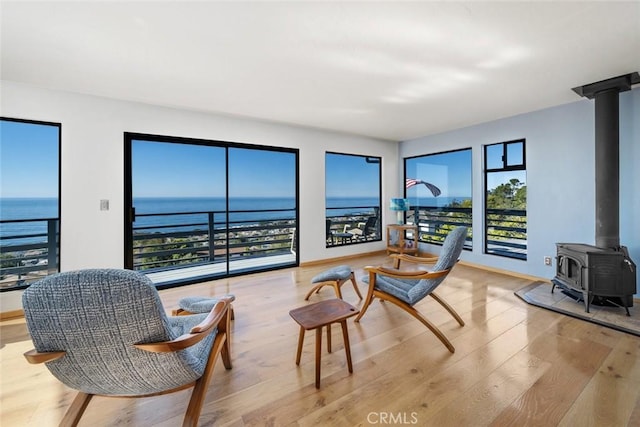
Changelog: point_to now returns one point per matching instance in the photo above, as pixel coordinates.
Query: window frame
(369, 159)
(506, 167)
(468, 246)
(58, 125)
(130, 137)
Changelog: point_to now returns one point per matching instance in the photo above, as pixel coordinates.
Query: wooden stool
(317, 315)
(335, 277)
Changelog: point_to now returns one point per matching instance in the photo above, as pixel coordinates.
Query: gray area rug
(539, 294)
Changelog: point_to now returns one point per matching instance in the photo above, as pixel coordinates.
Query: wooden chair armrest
(415, 259)
(415, 274)
(34, 357)
(218, 313)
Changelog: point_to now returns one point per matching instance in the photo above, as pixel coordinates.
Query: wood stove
(596, 272)
(605, 270)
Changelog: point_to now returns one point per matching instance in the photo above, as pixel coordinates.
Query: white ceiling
(392, 70)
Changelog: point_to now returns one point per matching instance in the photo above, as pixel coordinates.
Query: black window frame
(506, 167)
(344, 241)
(468, 245)
(129, 213)
(58, 255)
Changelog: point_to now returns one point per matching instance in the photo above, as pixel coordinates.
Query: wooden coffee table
(324, 313)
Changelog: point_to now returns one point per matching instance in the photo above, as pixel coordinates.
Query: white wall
(560, 159)
(93, 167)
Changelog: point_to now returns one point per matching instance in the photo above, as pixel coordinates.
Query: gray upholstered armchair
(407, 288)
(105, 332)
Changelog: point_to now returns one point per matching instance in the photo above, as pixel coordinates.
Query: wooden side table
(401, 246)
(324, 313)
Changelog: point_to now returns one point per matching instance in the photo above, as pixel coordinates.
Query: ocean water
(151, 212)
(193, 212)
(37, 209)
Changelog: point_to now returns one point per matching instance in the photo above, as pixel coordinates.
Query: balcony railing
(434, 223)
(347, 225)
(164, 241)
(29, 251)
(506, 228)
(507, 233)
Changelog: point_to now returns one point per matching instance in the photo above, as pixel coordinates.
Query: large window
(438, 188)
(506, 199)
(201, 209)
(353, 194)
(29, 201)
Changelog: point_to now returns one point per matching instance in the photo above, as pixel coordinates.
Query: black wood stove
(605, 270)
(596, 272)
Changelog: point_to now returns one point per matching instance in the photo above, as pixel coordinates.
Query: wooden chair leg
(300, 342)
(336, 287)
(369, 298)
(200, 388)
(225, 327)
(74, 413)
(448, 308)
(318, 354)
(415, 313)
(347, 347)
(355, 285)
(316, 289)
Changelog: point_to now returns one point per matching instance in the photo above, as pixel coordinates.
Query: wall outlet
(104, 205)
(547, 260)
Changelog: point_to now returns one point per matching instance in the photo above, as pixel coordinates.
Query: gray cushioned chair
(406, 288)
(105, 332)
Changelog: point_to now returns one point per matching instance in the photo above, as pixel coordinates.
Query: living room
(559, 138)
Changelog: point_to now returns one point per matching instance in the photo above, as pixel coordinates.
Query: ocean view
(192, 211)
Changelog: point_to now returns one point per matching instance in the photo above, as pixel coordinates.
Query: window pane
(439, 190)
(506, 208)
(29, 200)
(494, 155)
(204, 209)
(179, 192)
(352, 191)
(515, 154)
(262, 207)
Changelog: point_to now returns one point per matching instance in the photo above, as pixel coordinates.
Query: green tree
(510, 195)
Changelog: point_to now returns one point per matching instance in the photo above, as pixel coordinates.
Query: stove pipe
(607, 151)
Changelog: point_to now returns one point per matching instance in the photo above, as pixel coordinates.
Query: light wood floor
(514, 364)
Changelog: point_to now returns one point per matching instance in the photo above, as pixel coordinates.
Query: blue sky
(450, 172)
(351, 176)
(29, 168)
(186, 170)
(28, 159)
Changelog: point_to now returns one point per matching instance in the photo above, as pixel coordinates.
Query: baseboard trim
(340, 258)
(426, 254)
(495, 269)
(13, 314)
(505, 272)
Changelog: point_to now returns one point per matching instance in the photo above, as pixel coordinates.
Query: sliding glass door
(198, 209)
(262, 208)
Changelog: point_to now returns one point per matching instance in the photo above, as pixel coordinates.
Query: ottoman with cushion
(193, 305)
(335, 277)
